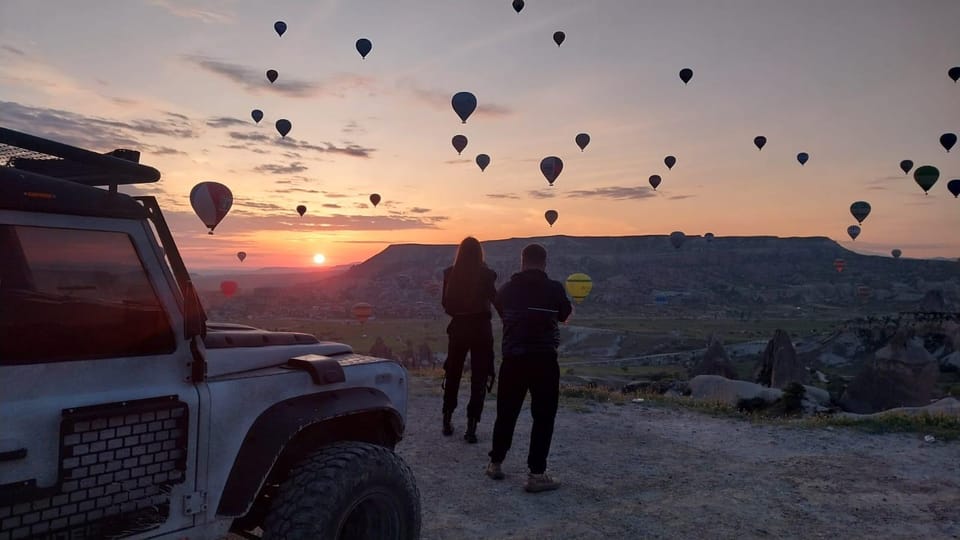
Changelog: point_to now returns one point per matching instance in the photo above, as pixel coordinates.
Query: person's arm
(491, 292)
(498, 300)
(443, 293)
(566, 308)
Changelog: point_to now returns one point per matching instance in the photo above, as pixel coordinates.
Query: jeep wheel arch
(292, 427)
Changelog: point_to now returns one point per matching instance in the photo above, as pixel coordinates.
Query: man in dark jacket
(530, 305)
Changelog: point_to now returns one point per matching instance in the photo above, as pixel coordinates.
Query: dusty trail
(643, 471)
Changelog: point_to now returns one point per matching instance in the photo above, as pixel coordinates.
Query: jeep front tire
(349, 490)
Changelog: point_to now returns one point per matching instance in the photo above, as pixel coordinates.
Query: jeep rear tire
(349, 490)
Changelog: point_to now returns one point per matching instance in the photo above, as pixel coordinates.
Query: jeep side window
(76, 295)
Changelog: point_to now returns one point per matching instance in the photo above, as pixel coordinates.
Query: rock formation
(779, 365)
(715, 361)
(902, 374)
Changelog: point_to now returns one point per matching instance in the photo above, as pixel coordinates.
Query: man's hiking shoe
(494, 471)
(447, 426)
(540, 482)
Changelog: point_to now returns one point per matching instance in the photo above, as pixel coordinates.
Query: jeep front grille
(117, 465)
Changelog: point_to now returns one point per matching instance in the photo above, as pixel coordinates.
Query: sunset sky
(858, 84)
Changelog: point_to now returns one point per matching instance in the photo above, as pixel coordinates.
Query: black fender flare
(279, 424)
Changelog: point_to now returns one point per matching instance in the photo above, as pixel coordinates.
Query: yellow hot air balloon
(578, 286)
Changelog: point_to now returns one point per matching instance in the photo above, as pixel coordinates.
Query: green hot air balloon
(926, 176)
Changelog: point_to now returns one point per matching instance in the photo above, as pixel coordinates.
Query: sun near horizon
(319, 258)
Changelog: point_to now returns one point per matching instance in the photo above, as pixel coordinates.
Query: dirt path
(642, 471)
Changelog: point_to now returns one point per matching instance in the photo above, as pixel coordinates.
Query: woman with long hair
(469, 288)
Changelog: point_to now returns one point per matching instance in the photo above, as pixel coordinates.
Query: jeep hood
(235, 348)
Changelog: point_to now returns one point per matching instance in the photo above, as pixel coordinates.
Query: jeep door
(98, 415)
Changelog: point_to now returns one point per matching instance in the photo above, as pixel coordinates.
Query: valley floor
(646, 471)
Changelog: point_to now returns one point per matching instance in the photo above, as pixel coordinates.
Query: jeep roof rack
(57, 160)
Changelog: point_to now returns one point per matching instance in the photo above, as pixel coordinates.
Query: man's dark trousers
(540, 374)
(475, 337)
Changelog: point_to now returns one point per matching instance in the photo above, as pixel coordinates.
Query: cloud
(440, 100)
(680, 197)
(297, 190)
(352, 150)
(91, 132)
(457, 161)
(13, 50)
(245, 148)
(282, 219)
(614, 193)
(163, 150)
(184, 10)
(503, 195)
(353, 127)
(331, 205)
(332, 195)
(538, 194)
(418, 210)
(225, 121)
(335, 85)
(276, 168)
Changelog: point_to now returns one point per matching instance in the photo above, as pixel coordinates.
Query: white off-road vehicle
(125, 414)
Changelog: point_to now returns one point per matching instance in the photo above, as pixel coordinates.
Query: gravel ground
(646, 471)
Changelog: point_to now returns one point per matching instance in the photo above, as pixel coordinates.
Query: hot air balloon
(708, 237)
(947, 140)
(464, 103)
(669, 161)
(677, 238)
(896, 253)
(954, 73)
(551, 167)
(228, 288)
(686, 74)
(578, 286)
(364, 47)
(374, 199)
(802, 157)
(906, 165)
(518, 5)
(582, 140)
(241, 255)
(211, 201)
(280, 27)
(482, 161)
(459, 143)
(655, 181)
(257, 115)
(301, 209)
(551, 216)
(362, 311)
(954, 187)
(759, 141)
(860, 210)
(283, 127)
(926, 176)
(853, 231)
(272, 75)
(558, 37)
(839, 264)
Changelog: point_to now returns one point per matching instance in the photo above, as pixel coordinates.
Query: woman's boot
(471, 435)
(447, 426)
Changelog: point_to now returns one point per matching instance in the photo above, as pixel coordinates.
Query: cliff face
(729, 271)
